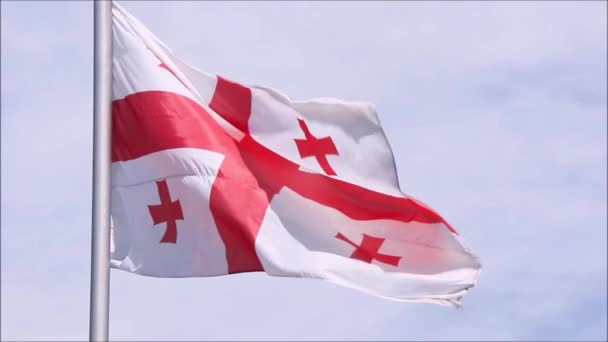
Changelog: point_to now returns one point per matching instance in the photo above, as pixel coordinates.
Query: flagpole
(102, 124)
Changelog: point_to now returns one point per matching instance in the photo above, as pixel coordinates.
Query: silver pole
(102, 124)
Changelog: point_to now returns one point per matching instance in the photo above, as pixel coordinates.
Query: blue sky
(496, 113)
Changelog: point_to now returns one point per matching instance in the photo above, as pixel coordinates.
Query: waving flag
(212, 177)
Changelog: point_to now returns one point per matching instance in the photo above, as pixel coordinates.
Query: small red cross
(164, 66)
(166, 211)
(317, 147)
(368, 250)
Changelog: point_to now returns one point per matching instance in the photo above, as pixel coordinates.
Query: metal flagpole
(100, 238)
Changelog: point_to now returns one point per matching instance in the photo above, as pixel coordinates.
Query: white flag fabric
(212, 177)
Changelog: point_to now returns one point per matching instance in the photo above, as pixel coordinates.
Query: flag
(213, 177)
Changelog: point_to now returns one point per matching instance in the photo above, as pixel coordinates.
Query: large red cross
(167, 211)
(317, 147)
(236, 202)
(368, 250)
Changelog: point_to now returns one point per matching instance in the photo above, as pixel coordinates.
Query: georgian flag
(211, 177)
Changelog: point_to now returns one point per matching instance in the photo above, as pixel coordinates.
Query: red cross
(166, 211)
(368, 250)
(238, 218)
(317, 147)
(164, 66)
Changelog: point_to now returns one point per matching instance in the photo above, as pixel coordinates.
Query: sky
(496, 113)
